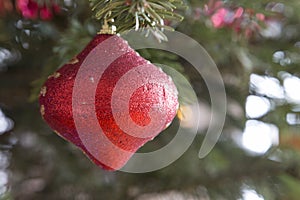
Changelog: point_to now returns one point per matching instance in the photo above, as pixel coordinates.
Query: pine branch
(136, 14)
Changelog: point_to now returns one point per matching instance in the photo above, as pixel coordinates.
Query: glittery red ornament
(108, 101)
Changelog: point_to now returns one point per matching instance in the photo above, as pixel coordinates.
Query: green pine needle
(138, 14)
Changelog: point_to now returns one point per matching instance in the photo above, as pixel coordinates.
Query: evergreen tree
(255, 45)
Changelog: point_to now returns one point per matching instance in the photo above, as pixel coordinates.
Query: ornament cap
(107, 29)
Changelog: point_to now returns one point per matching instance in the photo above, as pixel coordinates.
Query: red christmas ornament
(108, 101)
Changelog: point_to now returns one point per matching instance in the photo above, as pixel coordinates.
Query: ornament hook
(106, 28)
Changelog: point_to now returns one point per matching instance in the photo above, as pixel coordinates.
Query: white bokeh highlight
(293, 119)
(258, 137)
(291, 86)
(249, 194)
(257, 106)
(267, 86)
(5, 123)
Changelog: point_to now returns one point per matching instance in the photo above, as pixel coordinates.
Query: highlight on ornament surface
(131, 100)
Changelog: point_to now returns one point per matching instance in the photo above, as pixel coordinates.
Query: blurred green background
(257, 156)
